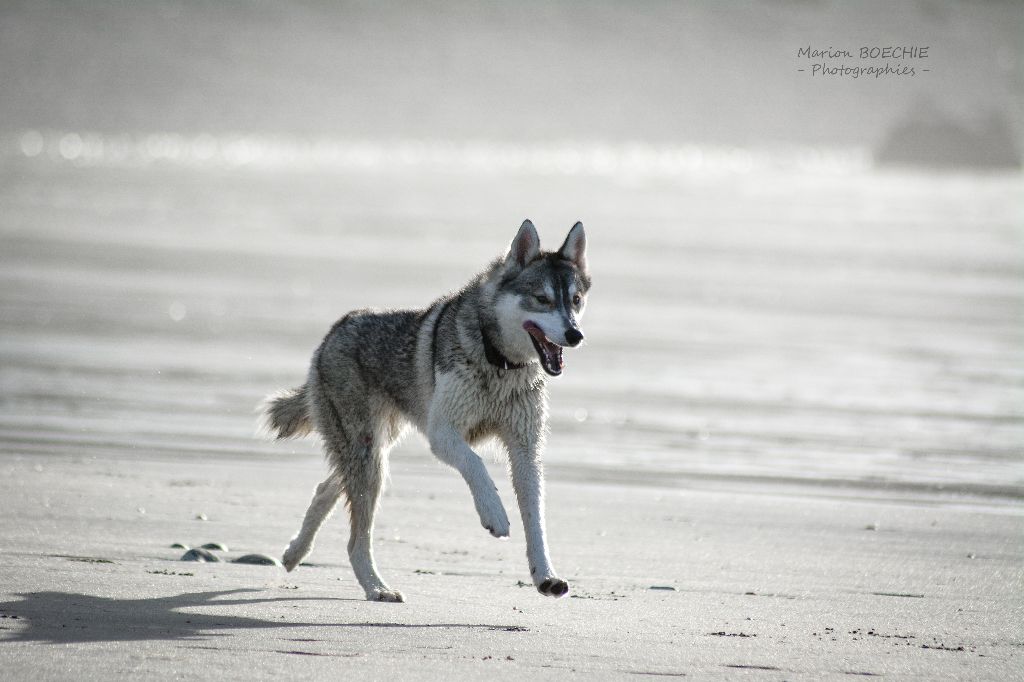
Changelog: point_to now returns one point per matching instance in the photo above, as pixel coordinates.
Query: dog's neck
(494, 356)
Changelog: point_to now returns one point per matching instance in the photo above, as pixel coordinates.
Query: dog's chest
(497, 404)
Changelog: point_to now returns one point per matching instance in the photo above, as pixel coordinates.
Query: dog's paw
(499, 529)
(494, 519)
(553, 587)
(385, 594)
(292, 556)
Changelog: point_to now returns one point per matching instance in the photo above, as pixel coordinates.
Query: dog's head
(541, 296)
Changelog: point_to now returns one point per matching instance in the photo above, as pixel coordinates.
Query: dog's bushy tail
(286, 414)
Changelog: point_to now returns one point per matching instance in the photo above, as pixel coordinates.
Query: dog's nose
(573, 337)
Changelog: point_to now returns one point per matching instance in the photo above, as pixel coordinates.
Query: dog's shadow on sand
(67, 617)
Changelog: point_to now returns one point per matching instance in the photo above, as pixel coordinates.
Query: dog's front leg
(449, 447)
(528, 481)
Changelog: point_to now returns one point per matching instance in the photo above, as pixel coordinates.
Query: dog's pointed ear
(526, 245)
(575, 247)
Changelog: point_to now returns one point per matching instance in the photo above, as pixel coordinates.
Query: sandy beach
(791, 448)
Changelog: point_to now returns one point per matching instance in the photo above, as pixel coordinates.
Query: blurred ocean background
(786, 289)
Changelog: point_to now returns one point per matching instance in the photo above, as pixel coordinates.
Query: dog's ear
(526, 245)
(575, 247)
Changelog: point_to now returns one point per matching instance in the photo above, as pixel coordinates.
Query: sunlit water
(268, 153)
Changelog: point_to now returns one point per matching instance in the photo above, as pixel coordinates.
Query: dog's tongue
(550, 353)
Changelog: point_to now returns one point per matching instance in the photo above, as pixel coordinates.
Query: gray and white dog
(468, 368)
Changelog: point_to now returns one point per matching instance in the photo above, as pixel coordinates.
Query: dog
(470, 367)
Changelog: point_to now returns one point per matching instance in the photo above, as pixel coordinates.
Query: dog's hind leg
(364, 473)
(324, 501)
(356, 440)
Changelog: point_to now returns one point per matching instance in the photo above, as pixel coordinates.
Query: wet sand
(800, 407)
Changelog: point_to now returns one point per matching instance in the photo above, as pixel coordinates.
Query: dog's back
(372, 350)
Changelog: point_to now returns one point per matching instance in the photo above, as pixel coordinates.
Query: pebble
(199, 554)
(257, 559)
(662, 587)
(217, 546)
(178, 545)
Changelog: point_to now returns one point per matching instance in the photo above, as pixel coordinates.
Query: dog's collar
(495, 357)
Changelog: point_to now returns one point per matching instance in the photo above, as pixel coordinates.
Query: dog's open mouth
(550, 353)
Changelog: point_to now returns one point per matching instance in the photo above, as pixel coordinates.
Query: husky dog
(468, 368)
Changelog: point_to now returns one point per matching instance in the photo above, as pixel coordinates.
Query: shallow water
(856, 328)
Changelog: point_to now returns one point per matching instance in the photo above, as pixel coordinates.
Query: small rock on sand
(178, 545)
(199, 554)
(216, 546)
(257, 559)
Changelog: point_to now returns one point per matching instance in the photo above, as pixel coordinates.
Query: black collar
(495, 357)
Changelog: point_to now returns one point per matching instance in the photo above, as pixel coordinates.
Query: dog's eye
(542, 299)
(576, 299)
